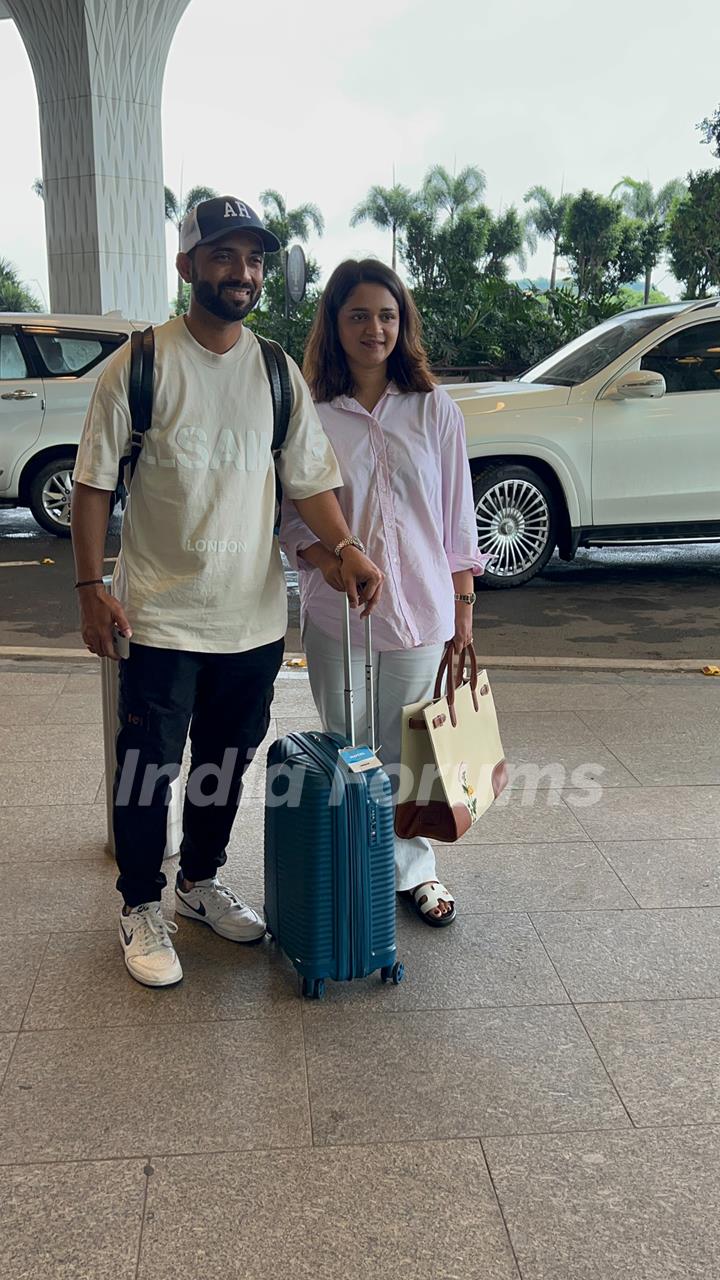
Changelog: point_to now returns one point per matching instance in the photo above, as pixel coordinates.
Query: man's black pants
(224, 699)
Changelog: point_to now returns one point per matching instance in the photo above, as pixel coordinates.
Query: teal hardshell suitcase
(329, 850)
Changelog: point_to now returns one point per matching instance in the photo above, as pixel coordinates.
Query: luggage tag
(359, 759)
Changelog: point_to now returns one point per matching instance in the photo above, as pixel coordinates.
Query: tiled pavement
(539, 1099)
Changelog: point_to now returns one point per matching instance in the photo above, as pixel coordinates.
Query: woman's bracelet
(89, 582)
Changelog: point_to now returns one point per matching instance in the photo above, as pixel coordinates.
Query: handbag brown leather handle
(456, 678)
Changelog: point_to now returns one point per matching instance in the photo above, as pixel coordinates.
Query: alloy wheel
(513, 523)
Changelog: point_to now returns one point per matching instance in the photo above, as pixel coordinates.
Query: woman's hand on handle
(362, 580)
(463, 626)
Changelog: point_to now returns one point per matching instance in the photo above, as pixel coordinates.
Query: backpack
(140, 401)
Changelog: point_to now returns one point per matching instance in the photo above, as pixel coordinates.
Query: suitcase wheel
(395, 972)
(313, 988)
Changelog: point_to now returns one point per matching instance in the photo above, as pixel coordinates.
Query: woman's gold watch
(352, 541)
(469, 598)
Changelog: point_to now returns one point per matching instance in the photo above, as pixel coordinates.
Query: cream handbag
(453, 764)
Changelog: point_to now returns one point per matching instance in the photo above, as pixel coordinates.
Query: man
(199, 584)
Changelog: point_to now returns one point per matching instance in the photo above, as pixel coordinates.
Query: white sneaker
(214, 904)
(149, 954)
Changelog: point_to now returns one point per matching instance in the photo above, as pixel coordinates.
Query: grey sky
(325, 104)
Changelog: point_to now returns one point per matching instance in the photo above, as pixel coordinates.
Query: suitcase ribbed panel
(329, 870)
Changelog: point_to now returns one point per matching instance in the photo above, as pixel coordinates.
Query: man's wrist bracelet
(89, 582)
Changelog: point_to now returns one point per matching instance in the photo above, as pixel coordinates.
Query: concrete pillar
(98, 67)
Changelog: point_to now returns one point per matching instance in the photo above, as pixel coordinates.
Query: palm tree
(652, 208)
(444, 190)
(13, 294)
(176, 210)
(386, 207)
(546, 217)
(290, 224)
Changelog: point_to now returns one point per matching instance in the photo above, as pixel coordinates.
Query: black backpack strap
(140, 390)
(280, 389)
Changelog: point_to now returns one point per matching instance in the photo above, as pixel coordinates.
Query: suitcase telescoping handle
(369, 682)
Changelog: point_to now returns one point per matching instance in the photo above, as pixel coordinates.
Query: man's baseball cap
(212, 219)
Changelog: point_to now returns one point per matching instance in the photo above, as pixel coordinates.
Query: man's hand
(362, 580)
(100, 613)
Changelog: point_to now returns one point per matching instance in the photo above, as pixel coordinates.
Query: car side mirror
(638, 384)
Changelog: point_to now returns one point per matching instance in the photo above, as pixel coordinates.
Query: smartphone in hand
(121, 644)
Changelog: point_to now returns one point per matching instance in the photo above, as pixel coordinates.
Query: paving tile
(546, 695)
(668, 873)
(26, 708)
(611, 1206)
(662, 1056)
(539, 766)
(651, 813)
(640, 726)
(77, 708)
(526, 877)
(51, 741)
(248, 832)
(634, 955)
(79, 895)
(79, 682)
(223, 982)
(684, 693)
(21, 683)
(327, 1215)
(296, 723)
(477, 1071)
(480, 961)
(49, 782)
(528, 816)
(7, 1044)
(662, 766)
(52, 833)
(123, 1092)
(662, 745)
(72, 1221)
(20, 957)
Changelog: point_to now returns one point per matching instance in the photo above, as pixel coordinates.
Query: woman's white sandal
(426, 897)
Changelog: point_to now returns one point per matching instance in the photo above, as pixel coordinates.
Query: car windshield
(595, 350)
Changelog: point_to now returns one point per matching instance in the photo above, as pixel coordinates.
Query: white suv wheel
(515, 514)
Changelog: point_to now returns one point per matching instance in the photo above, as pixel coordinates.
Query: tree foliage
(652, 210)
(453, 192)
(604, 248)
(694, 236)
(13, 294)
(710, 129)
(546, 218)
(290, 224)
(388, 208)
(175, 210)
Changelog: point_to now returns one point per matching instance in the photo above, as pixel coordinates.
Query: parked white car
(48, 368)
(613, 440)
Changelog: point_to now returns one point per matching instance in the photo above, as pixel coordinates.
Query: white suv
(48, 368)
(614, 439)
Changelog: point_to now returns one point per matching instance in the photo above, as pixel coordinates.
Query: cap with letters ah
(212, 219)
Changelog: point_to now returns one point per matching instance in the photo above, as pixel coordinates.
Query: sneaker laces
(225, 892)
(154, 929)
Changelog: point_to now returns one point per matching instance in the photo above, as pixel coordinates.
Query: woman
(400, 444)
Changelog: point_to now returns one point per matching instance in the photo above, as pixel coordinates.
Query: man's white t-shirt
(200, 569)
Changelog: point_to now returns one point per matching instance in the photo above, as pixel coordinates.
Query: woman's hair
(325, 366)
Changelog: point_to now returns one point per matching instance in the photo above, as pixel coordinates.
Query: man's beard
(218, 304)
